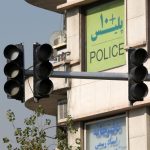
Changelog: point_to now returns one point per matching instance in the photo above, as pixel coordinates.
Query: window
(62, 109)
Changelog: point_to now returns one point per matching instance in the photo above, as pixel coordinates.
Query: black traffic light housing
(14, 70)
(137, 74)
(42, 68)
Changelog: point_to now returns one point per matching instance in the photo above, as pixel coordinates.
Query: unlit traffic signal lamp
(137, 74)
(14, 70)
(42, 68)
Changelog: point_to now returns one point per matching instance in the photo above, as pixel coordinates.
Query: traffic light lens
(11, 70)
(139, 91)
(44, 52)
(44, 69)
(44, 87)
(11, 52)
(12, 88)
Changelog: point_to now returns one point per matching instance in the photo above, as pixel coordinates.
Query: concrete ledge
(75, 3)
(47, 4)
(113, 111)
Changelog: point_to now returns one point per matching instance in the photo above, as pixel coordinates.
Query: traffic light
(137, 74)
(42, 68)
(14, 70)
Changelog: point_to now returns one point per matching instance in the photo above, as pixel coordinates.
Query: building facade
(97, 37)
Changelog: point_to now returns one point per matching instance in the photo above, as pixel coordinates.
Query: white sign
(107, 134)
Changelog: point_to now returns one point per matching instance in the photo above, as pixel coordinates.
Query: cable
(30, 86)
(29, 68)
(28, 79)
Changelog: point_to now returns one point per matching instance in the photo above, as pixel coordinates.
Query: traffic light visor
(44, 87)
(139, 56)
(11, 52)
(12, 88)
(44, 69)
(139, 91)
(44, 52)
(11, 70)
(139, 73)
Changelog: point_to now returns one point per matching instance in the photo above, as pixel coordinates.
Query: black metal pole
(28, 73)
(87, 75)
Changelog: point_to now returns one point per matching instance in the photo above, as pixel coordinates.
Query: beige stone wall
(136, 22)
(72, 137)
(137, 130)
(91, 97)
(73, 33)
(88, 98)
(138, 126)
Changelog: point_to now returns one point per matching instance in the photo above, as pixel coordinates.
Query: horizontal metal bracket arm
(88, 75)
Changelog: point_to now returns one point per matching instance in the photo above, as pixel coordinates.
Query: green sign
(105, 36)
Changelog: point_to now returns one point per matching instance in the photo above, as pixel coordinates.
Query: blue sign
(106, 135)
